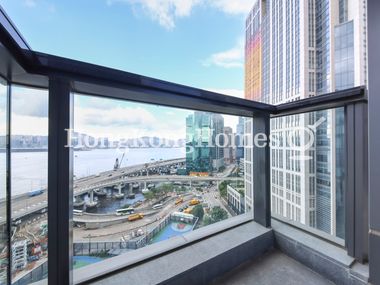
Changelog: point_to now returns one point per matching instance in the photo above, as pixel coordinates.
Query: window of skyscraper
(336, 60)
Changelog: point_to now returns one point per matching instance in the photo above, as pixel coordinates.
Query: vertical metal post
(9, 181)
(350, 179)
(373, 25)
(261, 170)
(361, 182)
(60, 194)
(356, 129)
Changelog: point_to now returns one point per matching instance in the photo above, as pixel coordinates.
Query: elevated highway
(24, 205)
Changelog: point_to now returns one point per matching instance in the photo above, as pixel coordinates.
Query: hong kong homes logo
(307, 136)
(299, 138)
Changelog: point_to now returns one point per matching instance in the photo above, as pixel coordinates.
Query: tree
(182, 189)
(207, 221)
(149, 195)
(198, 211)
(223, 189)
(126, 206)
(218, 214)
(221, 169)
(166, 188)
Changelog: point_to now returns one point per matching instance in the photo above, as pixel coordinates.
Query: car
(33, 258)
(180, 209)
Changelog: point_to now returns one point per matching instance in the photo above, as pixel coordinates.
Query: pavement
(274, 268)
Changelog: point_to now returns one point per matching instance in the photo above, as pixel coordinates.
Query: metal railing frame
(63, 77)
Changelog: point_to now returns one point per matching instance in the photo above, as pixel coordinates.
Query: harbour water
(29, 169)
(109, 204)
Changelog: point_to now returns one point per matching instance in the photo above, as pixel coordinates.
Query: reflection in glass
(308, 170)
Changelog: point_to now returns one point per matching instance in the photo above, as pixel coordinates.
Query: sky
(199, 43)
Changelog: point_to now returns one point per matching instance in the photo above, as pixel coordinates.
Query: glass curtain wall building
(204, 143)
(295, 50)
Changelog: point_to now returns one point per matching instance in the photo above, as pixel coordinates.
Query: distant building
(228, 148)
(235, 199)
(26, 141)
(203, 155)
(19, 255)
(217, 152)
(241, 167)
(239, 150)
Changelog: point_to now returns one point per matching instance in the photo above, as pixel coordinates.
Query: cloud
(231, 92)
(118, 119)
(30, 102)
(29, 125)
(236, 7)
(231, 58)
(229, 120)
(44, 5)
(30, 3)
(138, 117)
(166, 12)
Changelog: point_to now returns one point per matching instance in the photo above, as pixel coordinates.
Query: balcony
(212, 215)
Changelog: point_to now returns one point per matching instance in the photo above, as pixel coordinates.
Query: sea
(29, 169)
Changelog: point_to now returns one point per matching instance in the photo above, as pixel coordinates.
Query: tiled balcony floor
(272, 269)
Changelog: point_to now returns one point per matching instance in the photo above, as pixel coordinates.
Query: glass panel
(146, 173)
(308, 170)
(310, 192)
(3, 184)
(29, 144)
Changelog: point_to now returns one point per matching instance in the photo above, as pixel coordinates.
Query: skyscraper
(239, 139)
(203, 152)
(228, 148)
(295, 50)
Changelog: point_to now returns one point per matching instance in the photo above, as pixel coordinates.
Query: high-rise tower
(295, 50)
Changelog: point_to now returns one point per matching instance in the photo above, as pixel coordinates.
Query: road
(211, 196)
(115, 232)
(25, 205)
